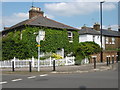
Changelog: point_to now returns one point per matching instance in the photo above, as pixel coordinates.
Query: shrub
(85, 49)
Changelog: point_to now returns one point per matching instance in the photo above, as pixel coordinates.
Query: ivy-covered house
(20, 40)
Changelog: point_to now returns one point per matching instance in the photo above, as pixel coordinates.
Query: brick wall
(105, 54)
(110, 45)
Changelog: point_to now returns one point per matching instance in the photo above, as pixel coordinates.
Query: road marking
(31, 77)
(16, 80)
(3, 82)
(43, 75)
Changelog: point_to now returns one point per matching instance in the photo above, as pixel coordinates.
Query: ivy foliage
(14, 46)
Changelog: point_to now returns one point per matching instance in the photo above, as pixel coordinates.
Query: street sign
(40, 36)
(37, 39)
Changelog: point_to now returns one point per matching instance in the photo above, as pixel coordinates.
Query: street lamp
(39, 37)
(101, 54)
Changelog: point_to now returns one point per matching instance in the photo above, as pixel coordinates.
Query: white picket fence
(34, 62)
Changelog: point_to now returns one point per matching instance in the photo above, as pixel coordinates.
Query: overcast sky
(75, 13)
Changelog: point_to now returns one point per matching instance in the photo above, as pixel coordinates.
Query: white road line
(3, 82)
(16, 80)
(43, 75)
(31, 77)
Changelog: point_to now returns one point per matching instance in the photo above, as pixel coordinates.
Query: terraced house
(110, 39)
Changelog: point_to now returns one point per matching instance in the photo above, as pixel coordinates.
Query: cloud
(49, 16)
(75, 8)
(14, 19)
(21, 15)
(113, 27)
(58, 0)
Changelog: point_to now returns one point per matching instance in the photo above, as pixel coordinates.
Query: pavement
(64, 69)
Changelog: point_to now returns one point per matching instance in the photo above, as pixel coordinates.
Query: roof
(105, 32)
(88, 31)
(110, 33)
(42, 21)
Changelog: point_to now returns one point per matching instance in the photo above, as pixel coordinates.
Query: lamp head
(102, 1)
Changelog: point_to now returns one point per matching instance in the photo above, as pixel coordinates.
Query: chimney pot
(96, 26)
(35, 11)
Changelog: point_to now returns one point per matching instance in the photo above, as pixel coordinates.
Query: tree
(85, 49)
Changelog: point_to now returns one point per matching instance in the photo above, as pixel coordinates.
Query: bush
(85, 49)
(56, 56)
(77, 62)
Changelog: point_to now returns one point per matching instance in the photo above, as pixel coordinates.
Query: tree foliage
(85, 49)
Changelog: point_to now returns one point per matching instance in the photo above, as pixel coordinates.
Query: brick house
(110, 39)
(37, 19)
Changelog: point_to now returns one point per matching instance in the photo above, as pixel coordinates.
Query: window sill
(70, 41)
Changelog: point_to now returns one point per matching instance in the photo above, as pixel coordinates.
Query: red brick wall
(105, 54)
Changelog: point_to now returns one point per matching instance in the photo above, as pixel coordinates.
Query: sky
(74, 13)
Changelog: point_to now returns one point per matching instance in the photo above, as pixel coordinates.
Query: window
(113, 40)
(70, 36)
(107, 40)
(93, 38)
(98, 37)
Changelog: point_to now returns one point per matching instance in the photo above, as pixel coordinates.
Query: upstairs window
(113, 40)
(107, 40)
(70, 36)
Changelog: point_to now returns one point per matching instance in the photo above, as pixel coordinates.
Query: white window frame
(107, 40)
(70, 36)
(113, 40)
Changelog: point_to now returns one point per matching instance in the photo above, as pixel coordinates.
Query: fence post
(94, 58)
(33, 62)
(30, 66)
(112, 59)
(50, 62)
(53, 64)
(66, 60)
(14, 62)
(107, 58)
(13, 67)
(73, 60)
(116, 58)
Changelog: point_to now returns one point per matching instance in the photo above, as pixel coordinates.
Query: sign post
(40, 37)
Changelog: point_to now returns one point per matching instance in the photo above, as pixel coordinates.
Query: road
(104, 79)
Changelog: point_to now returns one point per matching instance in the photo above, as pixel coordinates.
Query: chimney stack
(35, 11)
(84, 26)
(109, 28)
(96, 26)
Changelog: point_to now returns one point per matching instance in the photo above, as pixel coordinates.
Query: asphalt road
(104, 79)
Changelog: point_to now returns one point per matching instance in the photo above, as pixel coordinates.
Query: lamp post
(101, 54)
(40, 37)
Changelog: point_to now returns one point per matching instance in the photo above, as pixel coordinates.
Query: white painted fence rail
(43, 63)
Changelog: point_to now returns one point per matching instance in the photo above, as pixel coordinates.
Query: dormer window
(70, 36)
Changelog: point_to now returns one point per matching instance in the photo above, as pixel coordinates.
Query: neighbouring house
(110, 39)
(51, 29)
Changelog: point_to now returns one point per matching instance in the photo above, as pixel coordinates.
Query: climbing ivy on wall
(13, 46)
